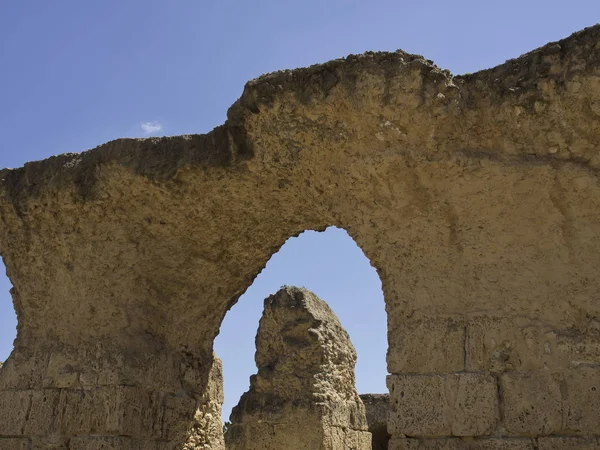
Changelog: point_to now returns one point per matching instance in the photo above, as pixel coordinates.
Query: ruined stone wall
(206, 432)
(476, 198)
(74, 418)
(377, 407)
(304, 394)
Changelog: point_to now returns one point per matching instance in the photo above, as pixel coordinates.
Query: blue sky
(74, 74)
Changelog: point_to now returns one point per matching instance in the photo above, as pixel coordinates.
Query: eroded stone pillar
(304, 394)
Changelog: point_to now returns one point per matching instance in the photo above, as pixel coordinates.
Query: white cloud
(151, 127)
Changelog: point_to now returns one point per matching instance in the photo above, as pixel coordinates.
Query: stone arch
(333, 265)
(476, 198)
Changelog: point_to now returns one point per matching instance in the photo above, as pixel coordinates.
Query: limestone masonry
(304, 394)
(376, 406)
(206, 432)
(475, 197)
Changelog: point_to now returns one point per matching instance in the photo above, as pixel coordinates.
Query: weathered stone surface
(505, 344)
(14, 444)
(124, 411)
(568, 443)
(542, 402)
(427, 345)
(476, 198)
(463, 444)
(105, 443)
(377, 406)
(119, 443)
(532, 403)
(304, 393)
(580, 394)
(463, 404)
(49, 443)
(44, 404)
(13, 412)
(207, 430)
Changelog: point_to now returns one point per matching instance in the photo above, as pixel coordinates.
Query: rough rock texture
(207, 431)
(377, 406)
(495, 443)
(304, 394)
(476, 198)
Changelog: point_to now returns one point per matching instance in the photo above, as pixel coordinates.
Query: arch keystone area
(476, 198)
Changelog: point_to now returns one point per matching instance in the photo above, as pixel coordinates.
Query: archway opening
(331, 265)
(8, 316)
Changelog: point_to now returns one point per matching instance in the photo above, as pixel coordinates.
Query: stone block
(88, 411)
(501, 444)
(25, 369)
(507, 344)
(346, 414)
(178, 416)
(343, 438)
(41, 419)
(475, 405)
(568, 443)
(426, 345)
(425, 444)
(106, 443)
(13, 412)
(462, 444)
(266, 435)
(580, 389)
(532, 403)
(499, 345)
(14, 443)
(542, 402)
(434, 405)
(162, 445)
(61, 372)
(49, 443)
(139, 412)
(418, 406)
(119, 410)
